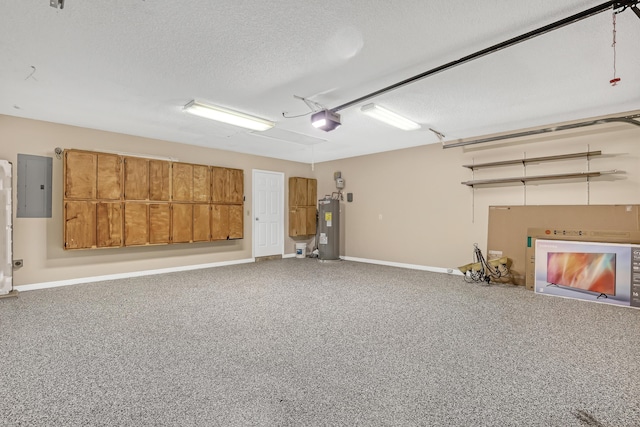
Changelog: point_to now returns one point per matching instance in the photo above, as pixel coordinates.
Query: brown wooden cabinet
(219, 184)
(226, 222)
(201, 222)
(236, 186)
(236, 223)
(219, 222)
(109, 222)
(136, 224)
(79, 224)
(182, 182)
(113, 201)
(191, 183)
(298, 189)
(227, 185)
(159, 223)
(159, 180)
(181, 222)
(297, 221)
(91, 176)
(201, 183)
(227, 195)
(302, 220)
(302, 206)
(109, 177)
(136, 178)
(80, 174)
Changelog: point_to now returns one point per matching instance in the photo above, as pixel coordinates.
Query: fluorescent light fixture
(389, 117)
(326, 120)
(225, 115)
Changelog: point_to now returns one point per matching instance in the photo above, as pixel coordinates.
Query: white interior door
(268, 213)
(6, 215)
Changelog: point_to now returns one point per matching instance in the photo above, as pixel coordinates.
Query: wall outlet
(17, 263)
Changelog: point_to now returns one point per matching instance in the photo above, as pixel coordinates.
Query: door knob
(257, 218)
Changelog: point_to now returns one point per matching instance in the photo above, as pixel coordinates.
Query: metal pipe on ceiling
(511, 42)
(621, 119)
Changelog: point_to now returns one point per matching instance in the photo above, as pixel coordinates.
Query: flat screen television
(592, 272)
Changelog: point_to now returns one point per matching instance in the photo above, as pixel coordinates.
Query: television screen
(594, 272)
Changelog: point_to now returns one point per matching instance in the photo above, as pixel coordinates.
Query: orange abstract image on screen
(594, 272)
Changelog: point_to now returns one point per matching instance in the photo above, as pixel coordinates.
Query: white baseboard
(68, 282)
(453, 271)
(58, 283)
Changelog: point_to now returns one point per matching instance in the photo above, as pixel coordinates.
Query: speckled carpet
(295, 342)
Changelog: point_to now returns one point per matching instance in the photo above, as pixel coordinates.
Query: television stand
(602, 295)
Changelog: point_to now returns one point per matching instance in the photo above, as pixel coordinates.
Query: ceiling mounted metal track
(622, 119)
(495, 48)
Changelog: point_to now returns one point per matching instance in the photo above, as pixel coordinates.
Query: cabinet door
(310, 226)
(298, 191)
(109, 179)
(236, 224)
(201, 223)
(201, 183)
(136, 178)
(182, 176)
(79, 175)
(297, 221)
(79, 225)
(109, 225)
(292, 191)
(182, 222)
(159, 180)
(219, 222)
(136, 224)
(219, 184)
(236, 186)
(159, 223)
(312, 192)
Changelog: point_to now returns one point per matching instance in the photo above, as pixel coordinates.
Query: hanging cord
(313, 106)
(615, 80)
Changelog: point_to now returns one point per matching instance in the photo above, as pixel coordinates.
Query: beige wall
(39, 241)
(409, 205)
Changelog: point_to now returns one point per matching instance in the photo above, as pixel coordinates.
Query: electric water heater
(329, 229)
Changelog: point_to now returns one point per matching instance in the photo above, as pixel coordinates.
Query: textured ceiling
(130, 66)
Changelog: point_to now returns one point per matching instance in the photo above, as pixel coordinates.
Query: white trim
(68, 282)
(58, 283)
(453, 271)
(145, 156)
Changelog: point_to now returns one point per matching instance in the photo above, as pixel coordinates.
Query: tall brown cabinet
(302, 206)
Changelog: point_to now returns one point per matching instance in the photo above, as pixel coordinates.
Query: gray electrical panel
(34, 186)
(329, 229)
